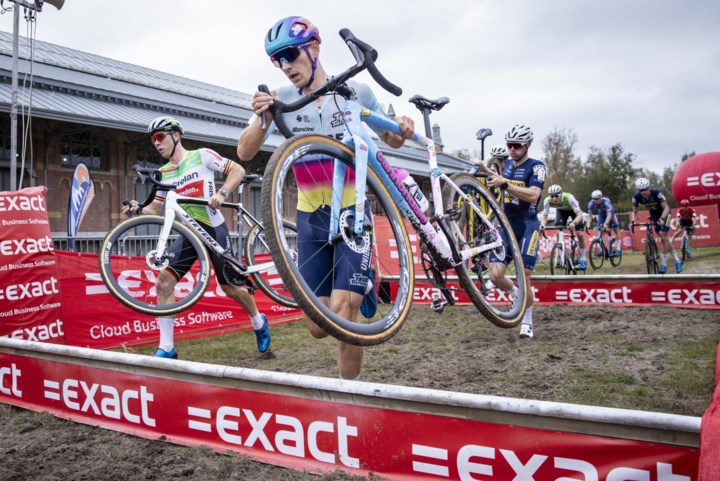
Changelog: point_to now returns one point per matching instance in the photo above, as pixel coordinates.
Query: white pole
(13, 101)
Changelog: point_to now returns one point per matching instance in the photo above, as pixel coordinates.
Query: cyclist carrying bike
(660, 213)
(522, 181)
(565, 204)
(606, 217)
(193, 172)
(685, 219)
(293, 45)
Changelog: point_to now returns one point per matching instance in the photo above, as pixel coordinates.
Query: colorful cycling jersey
(530, 173)
(653, 202)
(567, 203)
(314, 179)
(195, 177)
(603, 209)
(686, 214)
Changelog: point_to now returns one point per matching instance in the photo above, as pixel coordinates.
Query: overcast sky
(645, 73)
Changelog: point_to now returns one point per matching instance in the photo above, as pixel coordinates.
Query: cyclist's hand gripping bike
(136, 250)
(360, 173)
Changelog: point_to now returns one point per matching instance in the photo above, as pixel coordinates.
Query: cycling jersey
(530, 173)
(686, 214)
(195, 177)
(653, 203)
(567, 203)
(314, 173)
(604, 208)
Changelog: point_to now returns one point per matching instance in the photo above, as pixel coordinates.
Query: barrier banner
(707, 229)
(98, 320)
(30, 303)
(322, 435)
(701, 293)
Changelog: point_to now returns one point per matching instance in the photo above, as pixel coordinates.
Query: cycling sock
(257, 321)
(165, 324)
(527, 318)
(675, 256)
(582, 254)
(356, 378)
(664, 259)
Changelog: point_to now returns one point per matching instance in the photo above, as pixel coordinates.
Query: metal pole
(13, 101)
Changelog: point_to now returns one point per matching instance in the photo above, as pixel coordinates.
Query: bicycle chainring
(233, 276)
(153, 264)
(357, 243)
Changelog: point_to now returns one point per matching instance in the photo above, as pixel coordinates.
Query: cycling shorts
(527, 233)
(613, 220)
(183, 255)
(686, 223)
(326, 267)
(658, 227)
(562, 216)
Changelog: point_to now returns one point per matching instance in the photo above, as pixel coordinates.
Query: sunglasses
(555, 195)
(644, 190)
(288, 55)
(515, 146)
(157, 137)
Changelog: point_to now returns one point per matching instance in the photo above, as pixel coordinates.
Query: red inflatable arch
(698, 180)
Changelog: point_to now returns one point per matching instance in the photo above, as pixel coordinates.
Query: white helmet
(596, 194)
(642, 183)
(164, 124)
(499, 151)
(519, 133)
(555, 189)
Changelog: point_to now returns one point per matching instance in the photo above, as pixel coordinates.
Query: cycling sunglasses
(515, 145)
(157, 137)
(288, 55)
(555, 195)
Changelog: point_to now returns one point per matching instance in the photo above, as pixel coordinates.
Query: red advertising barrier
(707, 229)
(324, 435)
(30, 303)
(96, 319)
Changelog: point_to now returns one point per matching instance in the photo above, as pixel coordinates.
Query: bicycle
(599, 250)
(560, 258)
(443, 244)
(685, 247)
(136, 250)
(652, 253)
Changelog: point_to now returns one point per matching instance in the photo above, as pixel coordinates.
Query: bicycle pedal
(438, 305)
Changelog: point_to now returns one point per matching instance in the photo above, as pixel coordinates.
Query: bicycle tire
(269, 281)
(496, 166)
(651, 257)
(555, 253)
(684, 247)
(499, 314)
(122, 265)
(278, 205)
(597, 254)
(572, 261)
(615, 260)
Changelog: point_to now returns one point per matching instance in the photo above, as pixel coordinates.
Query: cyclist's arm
(576, 209)
(252, 138)
(153, 208)
(545, 212)
(665, 212)
(527, 194)
(633, 214)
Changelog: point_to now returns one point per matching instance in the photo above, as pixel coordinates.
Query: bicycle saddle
(425, 103)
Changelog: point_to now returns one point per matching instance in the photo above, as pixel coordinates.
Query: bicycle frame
(367, 153)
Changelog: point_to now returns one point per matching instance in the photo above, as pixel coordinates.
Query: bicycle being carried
(600, 250)
(136, 250)
(564, 258)
(443, 244)
(652, 253)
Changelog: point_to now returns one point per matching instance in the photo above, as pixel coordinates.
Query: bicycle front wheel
(651, 257)
(475, 230)
(685, 247)
(556, 259)
(572, 260)
(258, 252)
(129, 265)
(597, 254)
(307, 161)
(615, 246)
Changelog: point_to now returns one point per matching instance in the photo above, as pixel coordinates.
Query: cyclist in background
(522, 181)
(660, 212)
(500, 154)
(193, 172)
(685, 219)
(606, 217)
(293, 45)
(565, 204)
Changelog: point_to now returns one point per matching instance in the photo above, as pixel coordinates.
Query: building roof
(84, 88)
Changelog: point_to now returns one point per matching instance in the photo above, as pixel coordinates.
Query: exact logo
(129, 404)
(621, 295)
(289, 441)
(39, 333)
(13, 373)
(28, 290)
(9, 204)
(708, 179)
(13, 247)
(696, 297)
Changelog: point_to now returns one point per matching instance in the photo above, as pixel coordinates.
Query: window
(86, 147)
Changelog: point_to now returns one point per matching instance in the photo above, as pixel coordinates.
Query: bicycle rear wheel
(477, 231)
(597, 254)
(128, 269)
(296, 162)
(615, 245)
(257, 252)
(556, 259)
(684, 247)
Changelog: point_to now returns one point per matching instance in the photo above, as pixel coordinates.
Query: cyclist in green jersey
(193, 172)
(566, 205)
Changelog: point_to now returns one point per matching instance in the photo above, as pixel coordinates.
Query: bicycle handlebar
(365, 57)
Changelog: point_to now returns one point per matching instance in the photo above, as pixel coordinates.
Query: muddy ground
(631, 352)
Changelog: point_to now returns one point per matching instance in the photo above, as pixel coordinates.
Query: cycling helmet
(596, 194)
(499, 151)
(519, 133)
(290, 32)
(684, 202)
(555, 189)
(642, 183)
(164, 124)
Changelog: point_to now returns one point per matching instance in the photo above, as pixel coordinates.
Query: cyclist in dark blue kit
(660, 212)
(522, 182)
(606, 217)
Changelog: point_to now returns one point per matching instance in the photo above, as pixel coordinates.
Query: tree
(562, 165)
